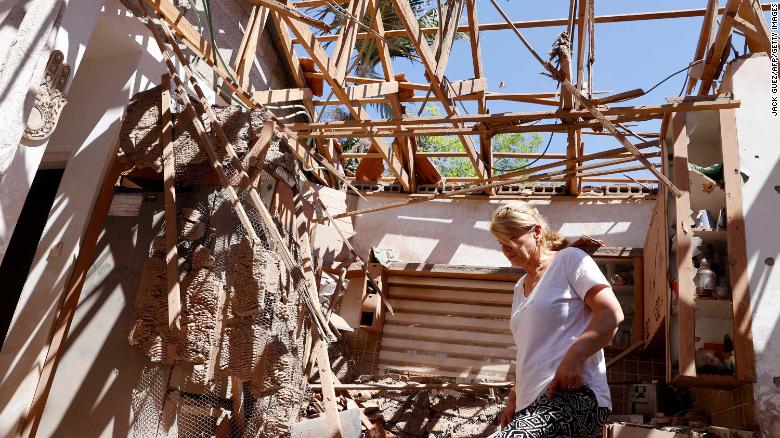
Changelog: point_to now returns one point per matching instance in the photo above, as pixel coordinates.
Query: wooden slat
(465, 374)
(469, 366)
(248, 48)
(737, 252)
(454, 271)
(371, 90)
(346, 42)
(169, 184)
(451, 322)
(452, 308)
(554, 22)
(465, 87)
(443, 347)
(451, 295)
(285, 95)
(328, 393)
(656, 262)
(707, 103)
(452, 283)
(448, 335)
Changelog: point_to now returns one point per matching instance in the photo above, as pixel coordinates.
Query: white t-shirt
(547, 323)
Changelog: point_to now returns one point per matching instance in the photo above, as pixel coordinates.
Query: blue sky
(628, 55)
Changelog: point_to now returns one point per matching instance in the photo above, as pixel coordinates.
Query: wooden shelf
(716, 235)
(713, 308)
(707, 381)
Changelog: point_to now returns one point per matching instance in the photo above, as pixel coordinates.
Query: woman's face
(524, 247)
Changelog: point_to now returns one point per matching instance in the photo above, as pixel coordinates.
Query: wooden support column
(485, 140)
(737, 252)
(683, 224)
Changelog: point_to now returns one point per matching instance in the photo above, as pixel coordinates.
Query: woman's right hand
(509, 410)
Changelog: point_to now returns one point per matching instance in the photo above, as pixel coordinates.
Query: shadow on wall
(93, 389)
(457, 231)
(100, 91)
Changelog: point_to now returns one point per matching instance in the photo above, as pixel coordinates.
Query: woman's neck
(535, 268)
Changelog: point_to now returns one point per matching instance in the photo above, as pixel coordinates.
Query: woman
(563, 314)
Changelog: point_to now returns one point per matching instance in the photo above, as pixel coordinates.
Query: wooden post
(328, 388)
(685, 301)
(737, 252)
(169, 184)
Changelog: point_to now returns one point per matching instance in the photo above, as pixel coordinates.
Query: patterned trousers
(567, 414)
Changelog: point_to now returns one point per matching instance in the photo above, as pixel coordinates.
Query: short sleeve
(584, 273)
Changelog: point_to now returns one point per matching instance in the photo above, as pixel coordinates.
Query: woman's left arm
(607, 314)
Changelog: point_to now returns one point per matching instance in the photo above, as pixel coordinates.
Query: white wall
(89, 125)
(92, 387)
(457, 231)
(758, 133)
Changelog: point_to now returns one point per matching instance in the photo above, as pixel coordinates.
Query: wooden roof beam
(555, 22)
(678, 104)
(322, 60)
(345, 43)
(705, 38)
(248, 48)
(716, 51)
(409, 21)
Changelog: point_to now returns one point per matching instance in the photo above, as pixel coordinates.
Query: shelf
(712, 308)
(718, 235)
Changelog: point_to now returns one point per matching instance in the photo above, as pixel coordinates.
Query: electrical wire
(529, 164)
(672, 75)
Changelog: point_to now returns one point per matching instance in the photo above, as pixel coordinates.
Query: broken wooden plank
(328, 389)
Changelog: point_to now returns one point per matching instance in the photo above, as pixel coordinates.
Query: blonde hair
(514, 218)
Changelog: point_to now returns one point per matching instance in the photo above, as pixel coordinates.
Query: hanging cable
(524, 166)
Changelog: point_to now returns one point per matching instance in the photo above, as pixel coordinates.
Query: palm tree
(367, 59)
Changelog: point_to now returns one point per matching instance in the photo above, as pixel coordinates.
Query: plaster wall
(456, 231)
(92, 387)
(758, 131)
(100, 93)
